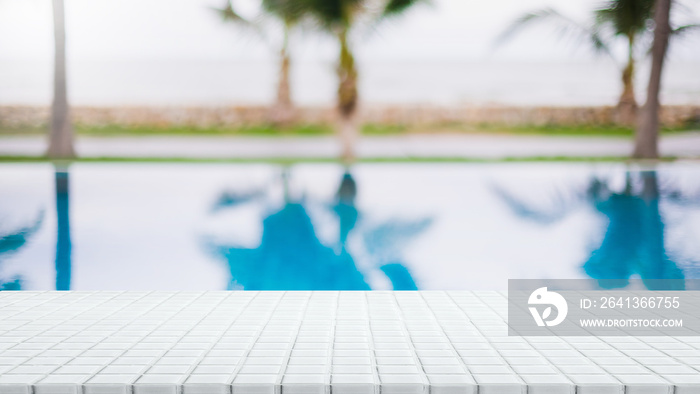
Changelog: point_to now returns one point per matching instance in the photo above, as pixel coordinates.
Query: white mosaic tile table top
(314, 343)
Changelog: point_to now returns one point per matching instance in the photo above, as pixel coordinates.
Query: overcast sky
(445, 30)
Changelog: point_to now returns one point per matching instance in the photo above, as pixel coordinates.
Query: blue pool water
(317, 227)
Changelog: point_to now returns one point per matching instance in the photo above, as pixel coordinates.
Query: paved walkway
(314, 343)
(685, 145)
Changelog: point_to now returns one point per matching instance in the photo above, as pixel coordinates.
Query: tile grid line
(675, 357)
(370, 343)
(290, 349)
(453, 350)
(15, 344)
(593, 360)
(530, 344)
(508, 366)
(204, 352)
(373, 348)
(233, 322)
(637, 362)
(416, 359)
(257, 335)
(119, 326)
(130, 387)
(331, 348)
(42, 303)
(20, 312)
(625, 387)
(82, 386)
(15, 298)
(162, 352)
(74, 301)
(373, 360)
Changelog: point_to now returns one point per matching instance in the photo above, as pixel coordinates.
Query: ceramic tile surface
(314, 343)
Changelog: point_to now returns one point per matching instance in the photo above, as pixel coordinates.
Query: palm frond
(564, 26)
(254, 25)
(386, 241)
(330, 14)
(673, 191)
(398, 7)
(227, 13)
(232, 199)
(625, 17)
(524, 21)
(12, 241)
(560, 202)
(685, 29)
(326, 13)
(289, 11)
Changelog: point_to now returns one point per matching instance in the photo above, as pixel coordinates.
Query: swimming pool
(402, 226)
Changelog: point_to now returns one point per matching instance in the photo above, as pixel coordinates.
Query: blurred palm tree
(61, 133)
(285, 16)
(646, 139)
(338, 17)
(629, 20)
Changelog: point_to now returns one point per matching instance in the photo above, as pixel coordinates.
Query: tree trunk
(349, 134)
(63, 242)
(627, 105)
(61, 134)
(282, 112)
(347, 99)
(647, 136)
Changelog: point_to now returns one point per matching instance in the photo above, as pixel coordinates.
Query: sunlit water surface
(313, 226)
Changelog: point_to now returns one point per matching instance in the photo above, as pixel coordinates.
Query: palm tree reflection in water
(291, 257)
(634, 239)
(11, 243)
(63, 242)
(633, 242)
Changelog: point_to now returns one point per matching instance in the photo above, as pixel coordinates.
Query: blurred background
(347, 144)
(445, 52)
